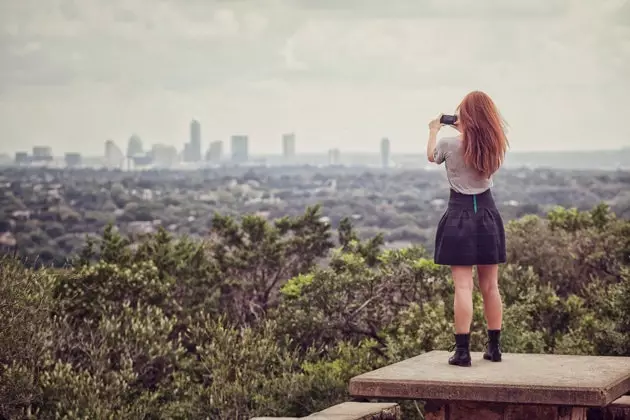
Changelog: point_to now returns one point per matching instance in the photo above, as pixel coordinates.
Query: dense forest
(274, 316)
(46, 214)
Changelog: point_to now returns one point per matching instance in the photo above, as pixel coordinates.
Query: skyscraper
(134, 146)
(215, 152)
(195, 141)
(113, 155)
(334, 157)
(163, 156)
(385, 152)
(240, 148)
(22, 158)
(42, 154)
(288, 146)
(73, 159)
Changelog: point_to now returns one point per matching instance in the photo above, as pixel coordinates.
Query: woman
(471, 232)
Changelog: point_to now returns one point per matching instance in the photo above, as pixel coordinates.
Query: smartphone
(448, 119)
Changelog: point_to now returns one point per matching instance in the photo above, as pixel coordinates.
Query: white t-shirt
(463, 178)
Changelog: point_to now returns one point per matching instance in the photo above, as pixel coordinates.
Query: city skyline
(336, 72)
(159, 156)
(215, 150)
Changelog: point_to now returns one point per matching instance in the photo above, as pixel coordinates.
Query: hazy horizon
(340, 74)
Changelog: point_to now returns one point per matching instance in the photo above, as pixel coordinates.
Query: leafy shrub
(263, 319)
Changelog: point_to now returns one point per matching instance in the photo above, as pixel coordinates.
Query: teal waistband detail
(475, 203)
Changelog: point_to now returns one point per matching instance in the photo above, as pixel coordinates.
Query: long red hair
(483, 130)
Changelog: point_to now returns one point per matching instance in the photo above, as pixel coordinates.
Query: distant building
(73, 159)
(385, 152)
(215, 152)
(163, 155)
(135, 150)
(288, 146)
(22, 158)
(187, 153)
(192, 149)
(334, 157)
(42, 154)
(240, 149)
(195, 141)
(134, 146)
(114, 157)
(142, 160)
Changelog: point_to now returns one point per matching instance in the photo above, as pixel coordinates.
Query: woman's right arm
(434, 129)
(431, 144)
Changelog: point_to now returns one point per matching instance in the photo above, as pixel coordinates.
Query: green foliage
(91, 292)
(570, 249)
(25, 302)
(266, 318)
(254, 258)
(350, 242)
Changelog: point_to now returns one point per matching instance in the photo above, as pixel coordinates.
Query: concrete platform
(358, 411)
(623, 402)
(580, 381)
(619, 409)
(351, 411)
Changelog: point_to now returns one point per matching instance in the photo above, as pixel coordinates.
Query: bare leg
(492, 304)
(462, 277)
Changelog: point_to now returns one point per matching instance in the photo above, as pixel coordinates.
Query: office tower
(215, 152)
(73, 159)
(163, 156)
(240, 149)
(142, 160)
(385, 152)
(334, 157)
(113, 155)
(134, 146)
(288, 146)
(134, 149)
(42, 154)
(195, 141)
(187, 153)
(22, 158)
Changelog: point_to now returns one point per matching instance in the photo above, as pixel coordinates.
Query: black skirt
(470, 232)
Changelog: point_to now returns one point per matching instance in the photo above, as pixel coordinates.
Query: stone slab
(351, 411)
(588, 381)
(463, 410)
(623, 402)
(618, 410)
(358, 411)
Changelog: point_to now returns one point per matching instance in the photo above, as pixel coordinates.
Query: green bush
(265, 318)
(25, 304)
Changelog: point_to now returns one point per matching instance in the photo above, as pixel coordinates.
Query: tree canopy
(274, 317)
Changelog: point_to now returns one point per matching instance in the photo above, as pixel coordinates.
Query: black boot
(462, 351)
(494, 346)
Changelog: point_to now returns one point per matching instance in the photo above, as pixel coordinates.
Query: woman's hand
(435, 125)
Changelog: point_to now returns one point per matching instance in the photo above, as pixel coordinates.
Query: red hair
(482, 127)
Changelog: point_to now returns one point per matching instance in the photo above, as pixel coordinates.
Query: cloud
(560, 39)
(143, 43)
(25, 49)
(410, 43)
(430, 9)
(291, 62)
(367, 64)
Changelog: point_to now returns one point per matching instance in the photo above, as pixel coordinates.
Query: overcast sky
(339, 73)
